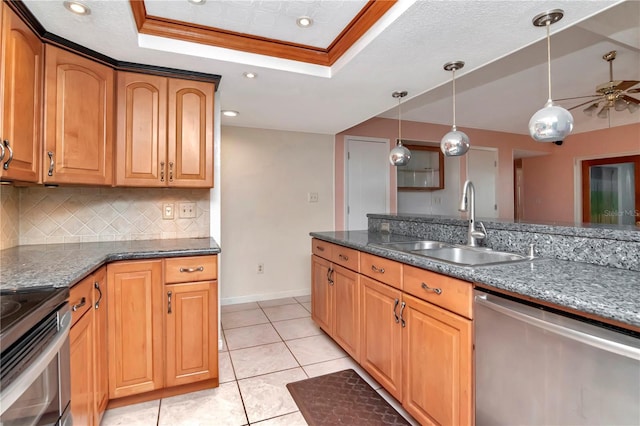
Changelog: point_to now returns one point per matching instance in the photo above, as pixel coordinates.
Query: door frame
(496, 174)
(347, 139)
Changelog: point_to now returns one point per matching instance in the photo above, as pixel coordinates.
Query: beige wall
(70, 215)
(266, 218)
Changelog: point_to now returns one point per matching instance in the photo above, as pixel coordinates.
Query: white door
(367, 180)
(482, 170)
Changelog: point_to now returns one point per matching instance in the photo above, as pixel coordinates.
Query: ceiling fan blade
(583, 104)
(626, 84)
(578, 97)
(634, 90)
(630, 99)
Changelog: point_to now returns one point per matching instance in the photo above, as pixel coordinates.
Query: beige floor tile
(219, 406)
(293, 419)
(307, 306)
(397, 406)
(143, 414)
(277, 302)
(225, 369)
(242, 318)
(327, 367)
(267, 396)
(224, 342)
(239, 307)
(314, 349)
(297, 328)
(263, 359)
(285, 312)
(303, 299)
(254, 335)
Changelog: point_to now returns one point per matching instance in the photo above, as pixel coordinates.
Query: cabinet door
(346, 326)
(381, 348)
(135, 314)
(141, 149)
(321, 294)
(190, 134)
(22, 59)
(437, 351)
(81, 361)
(191, 332)
(101, 348)
(79, 107)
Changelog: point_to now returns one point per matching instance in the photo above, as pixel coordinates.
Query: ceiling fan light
(591, 109)
(632, 107)
(550, 124)
(620, 105)
(603, 113)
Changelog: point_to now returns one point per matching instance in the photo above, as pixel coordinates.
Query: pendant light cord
(549, 57)
(454, 99)
(399, 123)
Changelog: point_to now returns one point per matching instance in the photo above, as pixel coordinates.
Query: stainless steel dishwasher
(536, 367)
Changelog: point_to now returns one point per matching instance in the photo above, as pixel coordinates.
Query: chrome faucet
(468, 203)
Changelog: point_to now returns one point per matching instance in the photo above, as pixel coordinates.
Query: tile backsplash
(69, 215)
(9, 216)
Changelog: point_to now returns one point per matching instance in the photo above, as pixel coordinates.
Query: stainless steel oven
(34, 360)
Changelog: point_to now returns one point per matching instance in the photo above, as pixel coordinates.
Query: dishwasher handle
(495, 304)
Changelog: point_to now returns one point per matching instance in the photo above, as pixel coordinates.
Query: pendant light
(552, 123)
(399, 155)
(454, 143)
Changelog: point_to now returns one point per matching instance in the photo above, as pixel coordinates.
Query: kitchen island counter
(606, 293)
(63, 265)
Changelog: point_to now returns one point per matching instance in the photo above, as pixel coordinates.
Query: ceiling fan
(612, 94)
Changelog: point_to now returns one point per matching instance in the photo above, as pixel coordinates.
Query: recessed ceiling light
(197, 1)
(230, 113)
(250, 74)
(77, 8)
(304, 22)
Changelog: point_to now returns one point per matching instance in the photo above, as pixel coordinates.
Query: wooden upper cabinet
(165, 132)
(190, 133)
(79, 109)
(21, 89)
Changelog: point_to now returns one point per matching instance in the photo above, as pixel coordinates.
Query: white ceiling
(404, 51)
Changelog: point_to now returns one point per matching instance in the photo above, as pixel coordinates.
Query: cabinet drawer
(321, 248)
(347, 257)
(187, 269)
(381, 269)
(449, 293)
(80, 299)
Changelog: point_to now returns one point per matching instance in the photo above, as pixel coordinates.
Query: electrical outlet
(384, 227)
(312, 197)
(260, 269)
(187, 210)
(167, 211)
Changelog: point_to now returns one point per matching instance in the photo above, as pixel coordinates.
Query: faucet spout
(468, 204)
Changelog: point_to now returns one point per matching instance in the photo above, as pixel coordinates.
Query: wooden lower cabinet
(321, 294)
(191, 330)
(101, 345)
(437, 356)
(81, 361)
(135, 327)
(381, 348)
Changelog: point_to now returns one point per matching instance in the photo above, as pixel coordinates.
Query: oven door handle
(11, 393)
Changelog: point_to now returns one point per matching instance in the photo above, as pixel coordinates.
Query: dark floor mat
(342, 398)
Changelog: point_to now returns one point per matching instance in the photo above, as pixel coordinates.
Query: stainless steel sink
(415, 245)
(455, 254)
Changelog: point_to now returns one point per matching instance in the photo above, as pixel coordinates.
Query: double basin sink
(454, 254)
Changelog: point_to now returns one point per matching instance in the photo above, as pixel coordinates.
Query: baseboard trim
(263, 297)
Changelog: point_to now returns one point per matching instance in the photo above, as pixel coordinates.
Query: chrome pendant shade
(551, 123)
(454, 143)
(399, 155)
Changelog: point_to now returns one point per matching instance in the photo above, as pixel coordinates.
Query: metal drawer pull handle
(10, 159)
(433, 289)
(320, 248)
(162, 171)
(395, 315)
(169, 301)
(51, 163)
(343, 257)
(401, 317)
(170, 171)
(77, 306)
(374, 269)
(198, 269)
(1, 152)
(96, 285)
(330, 276)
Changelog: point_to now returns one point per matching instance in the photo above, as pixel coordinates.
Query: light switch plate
(187, 210)
(312, 197)
(167, 211)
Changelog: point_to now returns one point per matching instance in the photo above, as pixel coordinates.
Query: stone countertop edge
(610, 293)
(64, 265)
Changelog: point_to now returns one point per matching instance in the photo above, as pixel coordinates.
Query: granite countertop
(609, 293)
(63, 265)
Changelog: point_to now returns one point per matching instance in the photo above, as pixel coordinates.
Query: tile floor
(266, 345)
